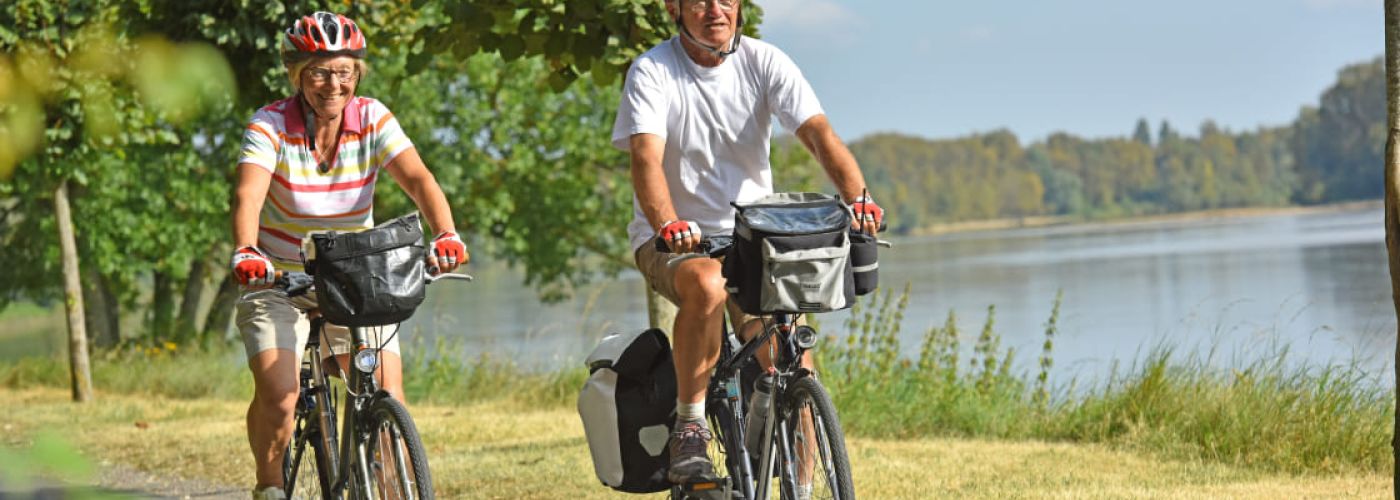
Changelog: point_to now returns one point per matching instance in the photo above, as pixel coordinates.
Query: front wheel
(817, 466)
(396, 461)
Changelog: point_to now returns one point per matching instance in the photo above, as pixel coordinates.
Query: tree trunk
(162, 313)
(1392, 196)
(101, 311)
(221, 310)
(195, 286)
(661, 313)
(73, 298)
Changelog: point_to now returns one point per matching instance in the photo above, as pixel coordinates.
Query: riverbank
(504, 450)
(1194, 216)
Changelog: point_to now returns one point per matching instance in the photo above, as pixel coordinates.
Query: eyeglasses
(704, 5)
(322, 75)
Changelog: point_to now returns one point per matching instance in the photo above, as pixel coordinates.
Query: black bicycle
(800, 450)
(381, 455)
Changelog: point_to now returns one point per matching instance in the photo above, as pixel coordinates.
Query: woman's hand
(448, 252)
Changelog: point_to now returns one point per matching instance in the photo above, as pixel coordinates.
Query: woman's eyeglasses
(323, 75)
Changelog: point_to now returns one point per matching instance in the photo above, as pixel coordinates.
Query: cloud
(810, 15)
(1341, 4)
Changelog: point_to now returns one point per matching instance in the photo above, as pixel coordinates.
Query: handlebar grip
(661, 245)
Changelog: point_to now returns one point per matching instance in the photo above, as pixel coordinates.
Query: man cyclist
(696, 115)
(314, 158)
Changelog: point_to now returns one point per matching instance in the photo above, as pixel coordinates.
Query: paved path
(126, 482)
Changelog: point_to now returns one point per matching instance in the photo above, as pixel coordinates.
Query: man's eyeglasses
(323, 75)
(704, 5)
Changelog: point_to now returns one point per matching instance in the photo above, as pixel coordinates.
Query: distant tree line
(1330, 153)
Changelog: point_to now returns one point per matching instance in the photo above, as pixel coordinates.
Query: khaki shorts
(273, 321)
(662, 279)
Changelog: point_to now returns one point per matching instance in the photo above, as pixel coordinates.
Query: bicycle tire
(832, 463)
(305, 466)
(398, 464)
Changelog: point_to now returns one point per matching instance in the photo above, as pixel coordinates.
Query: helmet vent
(331, 31)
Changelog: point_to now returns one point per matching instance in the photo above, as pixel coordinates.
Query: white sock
(690, 412)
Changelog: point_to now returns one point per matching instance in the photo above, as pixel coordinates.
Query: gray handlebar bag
(372, 277)
(791, 254)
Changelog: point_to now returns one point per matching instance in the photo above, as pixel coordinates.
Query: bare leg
(271, 411)
(696, 332)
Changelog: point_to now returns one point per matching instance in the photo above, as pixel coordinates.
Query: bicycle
(801, 444)
(383, 456)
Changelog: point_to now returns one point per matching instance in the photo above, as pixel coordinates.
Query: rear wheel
(817, 465)
(396, 461)
(306, 468)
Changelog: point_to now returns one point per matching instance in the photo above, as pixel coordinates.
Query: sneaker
(690, 459)
(269, 493)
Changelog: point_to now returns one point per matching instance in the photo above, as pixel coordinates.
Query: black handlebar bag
(372, 277)
(791, 254)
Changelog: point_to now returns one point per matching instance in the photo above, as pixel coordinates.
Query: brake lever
(433, 278)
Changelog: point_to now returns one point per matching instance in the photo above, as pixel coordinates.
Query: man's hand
(868, 215)
(682, 236)
(448, 252)
(252, 268)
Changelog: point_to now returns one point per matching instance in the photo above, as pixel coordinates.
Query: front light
(366, 360)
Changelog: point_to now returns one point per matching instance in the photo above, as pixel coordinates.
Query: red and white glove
(677, 231)
(448, 251)
(252, 268)
(867, 214)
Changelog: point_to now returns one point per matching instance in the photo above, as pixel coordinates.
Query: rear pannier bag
(628, 410)
(372, 277)
(791, 254)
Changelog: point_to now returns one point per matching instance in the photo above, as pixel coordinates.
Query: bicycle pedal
(706, 489)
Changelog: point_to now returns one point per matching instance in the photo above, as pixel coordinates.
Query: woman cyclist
(309, 162)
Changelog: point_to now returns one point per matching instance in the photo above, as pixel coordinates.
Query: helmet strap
(714, 51)
(309, 116)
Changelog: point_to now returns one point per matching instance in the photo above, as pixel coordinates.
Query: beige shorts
(662, 279)
(273, 321)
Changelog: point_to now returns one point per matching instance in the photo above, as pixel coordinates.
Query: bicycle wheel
(397, 463)
(306, 467)
(816, 445)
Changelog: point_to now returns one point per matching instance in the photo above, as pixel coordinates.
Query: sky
(943, 69)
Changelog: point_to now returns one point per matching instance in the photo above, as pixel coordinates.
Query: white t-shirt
(717, 123)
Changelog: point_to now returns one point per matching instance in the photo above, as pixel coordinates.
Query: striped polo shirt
(301, 198)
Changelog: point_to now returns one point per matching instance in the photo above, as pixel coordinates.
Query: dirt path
(141, 484)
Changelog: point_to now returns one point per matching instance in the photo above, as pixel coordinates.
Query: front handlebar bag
(791, 254)
(372, 277)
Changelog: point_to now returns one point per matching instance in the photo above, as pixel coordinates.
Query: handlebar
(716, 246)
(711, 246)
(295, 283)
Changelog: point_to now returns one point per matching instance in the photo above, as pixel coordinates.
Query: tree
(1392, 192)
(80, 93)
(1142, 132)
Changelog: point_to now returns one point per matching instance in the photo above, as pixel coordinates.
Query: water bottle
(754, 422)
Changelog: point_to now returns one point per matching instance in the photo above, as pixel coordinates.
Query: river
(1233, 289)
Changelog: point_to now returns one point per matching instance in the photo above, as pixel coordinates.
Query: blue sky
(943, 69)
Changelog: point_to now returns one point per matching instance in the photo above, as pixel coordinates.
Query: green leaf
(512, 47)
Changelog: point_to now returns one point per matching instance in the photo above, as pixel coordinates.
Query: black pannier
(791, 254)
(372, 277)
(628, 410)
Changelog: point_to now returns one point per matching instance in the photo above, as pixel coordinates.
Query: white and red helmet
(323, 34)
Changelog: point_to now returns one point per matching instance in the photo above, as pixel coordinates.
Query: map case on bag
(791, 254)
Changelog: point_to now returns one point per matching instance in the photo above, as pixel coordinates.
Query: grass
(1267, 414)
(505, 449)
